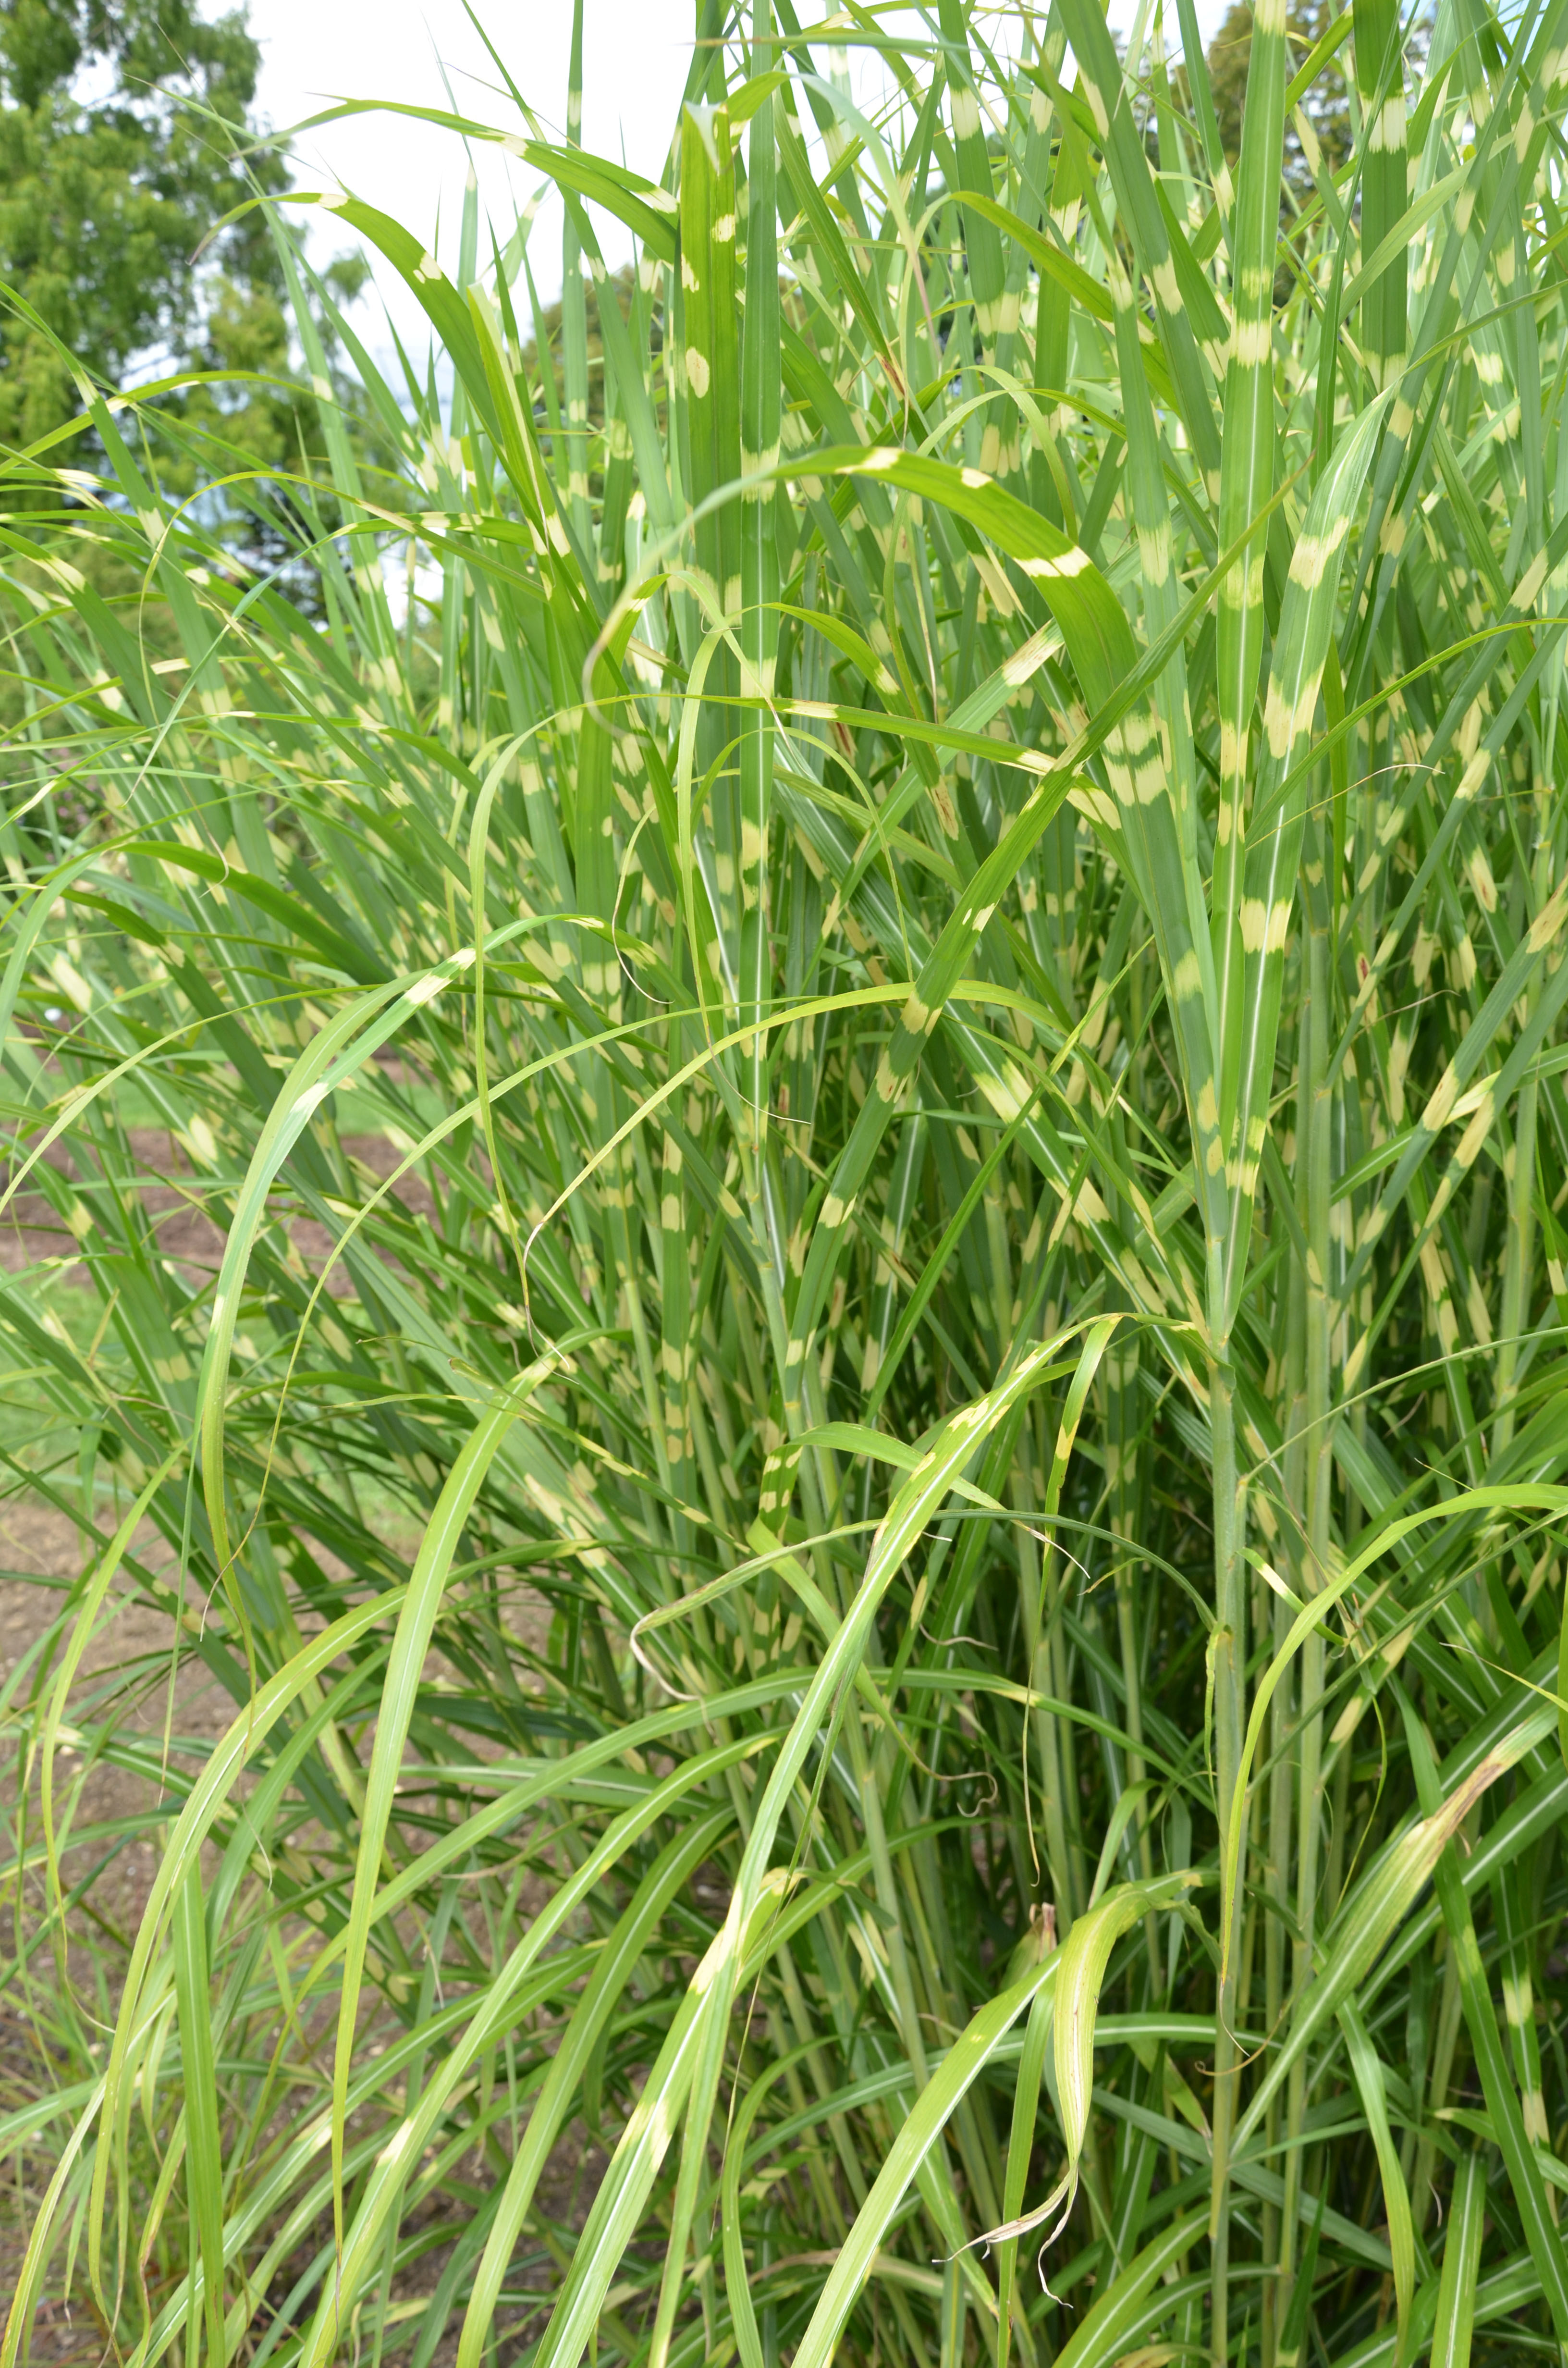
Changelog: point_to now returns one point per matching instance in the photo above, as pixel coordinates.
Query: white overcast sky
(636, 55)
(427, 54)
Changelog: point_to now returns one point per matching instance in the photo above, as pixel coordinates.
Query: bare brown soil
(41, 1551)
(39, 1544)
(173, 1197)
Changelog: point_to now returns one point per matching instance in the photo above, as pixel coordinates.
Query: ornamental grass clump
(872, 1427)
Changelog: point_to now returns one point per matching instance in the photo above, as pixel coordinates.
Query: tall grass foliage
(911, 1608)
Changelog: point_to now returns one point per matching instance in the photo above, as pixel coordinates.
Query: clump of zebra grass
(876, 1454)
